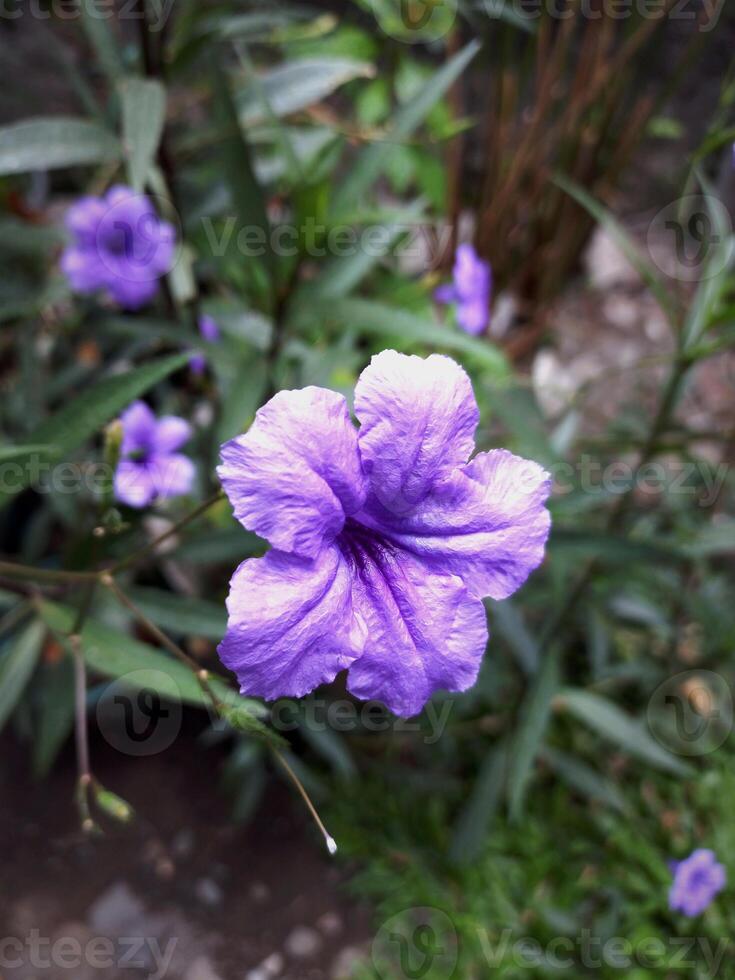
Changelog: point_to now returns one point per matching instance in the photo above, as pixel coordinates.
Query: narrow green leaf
(379, 319)
(475, 818)
(614, 725)
(13, 452)
(85, 415)
(510, 624)
(17, 665)
(296, 84)
(623, 240)
(143, 103)
(181, 614)
(372, 160)
(47, 143)
(535, 715)
(583, 778)
(56, 714)
(100, 36)
(237, 166)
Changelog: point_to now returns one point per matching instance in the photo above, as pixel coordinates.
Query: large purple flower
(150, 467)
(697, 880)
(383, 540)
(470, 290)
(120, 247)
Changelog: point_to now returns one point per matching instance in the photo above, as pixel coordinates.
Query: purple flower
(470, 290)
(697, 880)
(210, 332)
(383, 540)
(150, 467)
(120, 246)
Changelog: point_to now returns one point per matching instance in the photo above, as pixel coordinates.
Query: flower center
(364, 548)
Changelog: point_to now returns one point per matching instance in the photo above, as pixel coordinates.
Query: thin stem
(328, 839)
(12, 570)
(174, 529)
(623, 503)
(201, 674)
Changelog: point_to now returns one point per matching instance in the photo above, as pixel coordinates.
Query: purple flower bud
(210, 332)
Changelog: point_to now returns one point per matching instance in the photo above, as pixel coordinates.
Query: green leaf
(379, 319)
(112, 804)
(372, 161)
(143, 116)
(102, 39)
(17, 665)
(535, 715)
(583, 778)
(85, 415)
(13, 452)
(623, 241)
(509, 622)
(181, 614)
(237, 167)
(46, 143)
(297, 84)
(614, 725)
(470, 831)
(113, 653)
(56, 714)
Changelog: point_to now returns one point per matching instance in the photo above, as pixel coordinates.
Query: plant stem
(174, 529)
(328, 839)
(13, 570)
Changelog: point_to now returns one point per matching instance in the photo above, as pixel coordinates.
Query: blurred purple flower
(120, 246)
(150, 467)
(697, 880)
(470, 290)
(383, 540)
(210, 332)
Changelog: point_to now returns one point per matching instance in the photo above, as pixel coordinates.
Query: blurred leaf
(372, 160)
(113, 653)
(331, 746)
(713, 539)
(296, 84)
(244, 388)
(17, 664)
(112, 804)
(46, 143)
(373, 317)
(535, 714)
(609, 722)
(25, 239)
(12, 452)
(85, 415)
(583, 778)
(181, 614)
(470, 831)
(143, 116)
(508, 620)
(624, 242)
(221, 545)
(237, 166)
(613, 547)
(56, 713)
(102, 39)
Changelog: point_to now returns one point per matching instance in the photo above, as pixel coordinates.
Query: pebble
(303, 942)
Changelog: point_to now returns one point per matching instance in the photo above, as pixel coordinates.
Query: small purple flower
(383, 540)
(150, 467)
(120, 247)
(210, 332)
(470, 290)
(697, 880)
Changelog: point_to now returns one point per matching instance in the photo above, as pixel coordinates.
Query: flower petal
(291, 625)
(473, 316)
(171, 433)
(133, 484)
(424, 633)
(486, 523)
(418, 417)
(139, 427)
(171, 475)
(296, 474)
